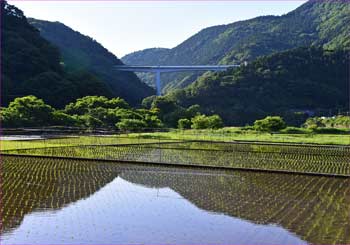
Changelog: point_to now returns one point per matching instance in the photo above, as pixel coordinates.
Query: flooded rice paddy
(61, 201)
(316, 159)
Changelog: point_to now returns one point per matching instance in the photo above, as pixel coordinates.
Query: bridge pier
(158, 86)
(159, 69)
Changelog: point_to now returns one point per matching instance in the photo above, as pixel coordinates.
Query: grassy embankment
(302, 136)
(72, 141)
(225, 134)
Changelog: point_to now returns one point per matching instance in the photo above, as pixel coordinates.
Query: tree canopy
(86, 112)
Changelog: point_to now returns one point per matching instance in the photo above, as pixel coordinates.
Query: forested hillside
(80, 52)
(31, 65)
(290, 83)
(320, 23)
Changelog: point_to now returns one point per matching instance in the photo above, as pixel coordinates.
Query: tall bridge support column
(158, 83)
(157, 70)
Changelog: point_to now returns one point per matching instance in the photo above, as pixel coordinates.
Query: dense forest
(31, 65)
(80, 52)
(302, 81)
(320, 23)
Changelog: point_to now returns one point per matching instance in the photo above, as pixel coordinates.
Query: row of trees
(312, 124)
(89, 112)
(339, 121)
(100, 112)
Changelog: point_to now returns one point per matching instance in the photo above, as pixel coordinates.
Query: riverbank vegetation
(116, 115)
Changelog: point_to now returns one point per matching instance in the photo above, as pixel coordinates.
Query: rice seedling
(293, 158)
(314, 208)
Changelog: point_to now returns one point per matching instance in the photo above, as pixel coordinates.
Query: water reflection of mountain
(31, 184)
(315, 208)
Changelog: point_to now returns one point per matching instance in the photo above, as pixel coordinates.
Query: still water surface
(72, 202)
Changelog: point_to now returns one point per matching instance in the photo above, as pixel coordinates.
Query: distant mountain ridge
(80, 52)
(320, 23)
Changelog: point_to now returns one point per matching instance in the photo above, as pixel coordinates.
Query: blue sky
(123, 27)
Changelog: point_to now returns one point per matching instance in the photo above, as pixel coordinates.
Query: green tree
(192, 111)
(148, 101)
(8, 118)
(89, 121)
(84, 105)
(184, 123)
(117, 103)
(164, 105)
(342, 121)
(28, 111)
(270, 124)
(314, 123)
(60, 118)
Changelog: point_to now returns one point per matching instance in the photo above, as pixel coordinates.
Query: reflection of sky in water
(22, 137)
(122, 212)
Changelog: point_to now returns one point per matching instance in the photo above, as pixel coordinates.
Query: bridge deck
(174, 68)
(159, 69)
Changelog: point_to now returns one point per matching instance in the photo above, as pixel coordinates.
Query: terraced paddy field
(331, 160)
(64, 201)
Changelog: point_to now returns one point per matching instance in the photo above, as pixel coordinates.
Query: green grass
(74, 141)
(232, 134)
(225, 134)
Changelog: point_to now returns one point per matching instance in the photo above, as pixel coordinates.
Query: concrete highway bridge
(159, 69)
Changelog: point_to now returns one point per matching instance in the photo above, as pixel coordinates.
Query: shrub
(199, 122)
(131, 124)
(247, 128)
(270, 124)
(215, 122)
(204, 122)
(330, 131)
(295, 130)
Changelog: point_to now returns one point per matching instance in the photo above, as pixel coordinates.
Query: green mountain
(304, 80)
(320, 23)
(31, 65)
(80, 52)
